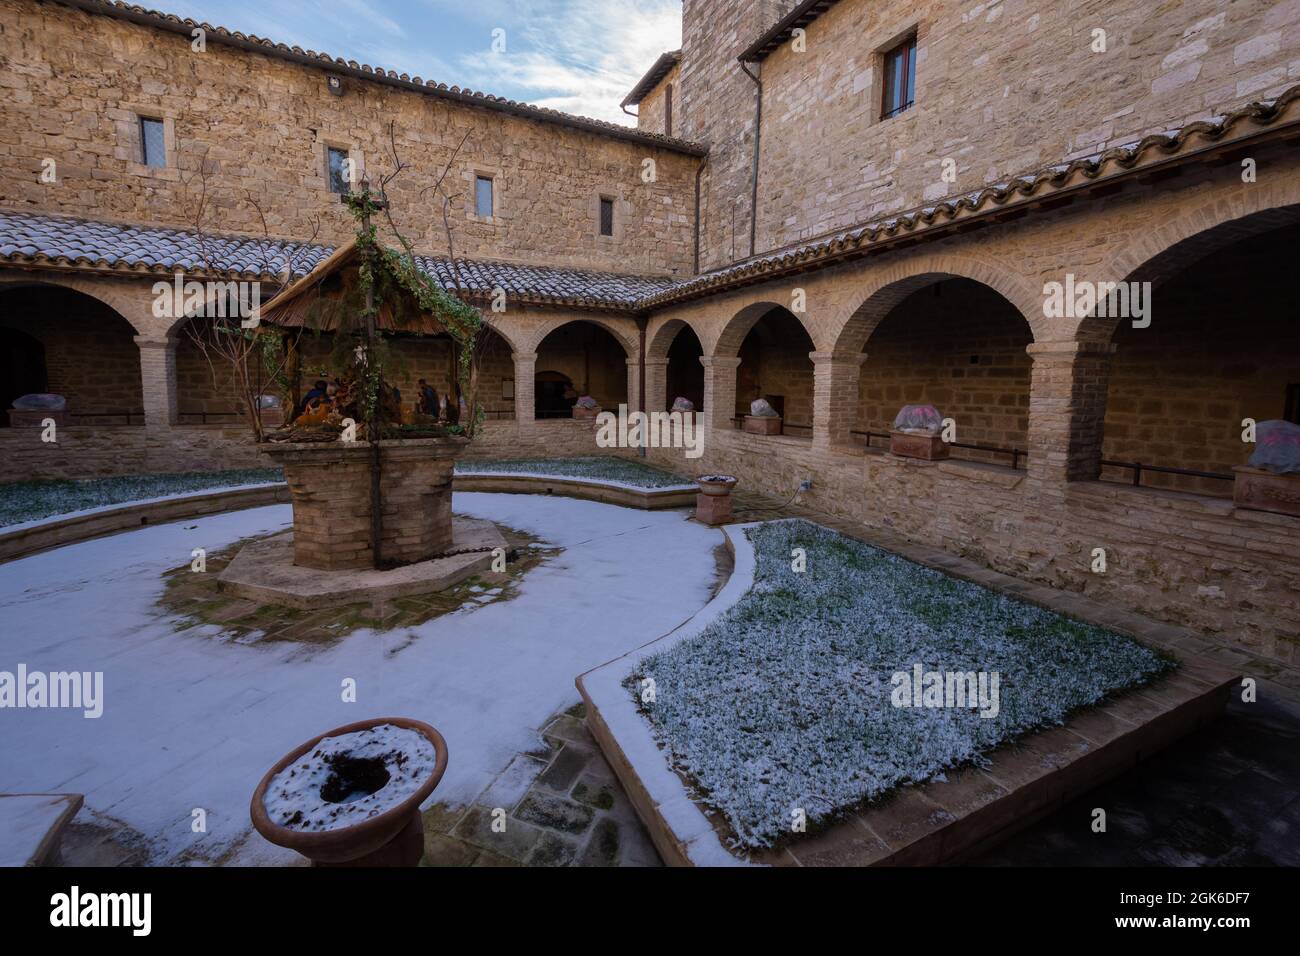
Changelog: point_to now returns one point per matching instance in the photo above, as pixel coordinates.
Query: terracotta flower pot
(581, 412)
(710, 485)
(1260, 490)
(392, 838)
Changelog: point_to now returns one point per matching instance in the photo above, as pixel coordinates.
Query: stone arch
(662, 339)
(89, 350)
(739, 325)
(123, 298)
(894, 284)
(1162, 252)
(625, 337)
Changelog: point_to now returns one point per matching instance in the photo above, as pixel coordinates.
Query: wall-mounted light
(334, 84)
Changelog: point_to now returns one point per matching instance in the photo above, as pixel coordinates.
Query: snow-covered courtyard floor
(191, 721)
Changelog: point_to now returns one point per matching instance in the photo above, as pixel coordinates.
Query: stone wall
(1167, 553)
(651, 112)
(1002, 88)
(75, 86)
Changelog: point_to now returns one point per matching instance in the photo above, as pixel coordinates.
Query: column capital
(720, 361)
(524, 356)
(1069, 348)
(156, 342)
(838, 358)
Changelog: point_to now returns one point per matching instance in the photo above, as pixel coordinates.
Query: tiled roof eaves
(161, 252)
(802, 15)
(657, 72)
(337, 65)
(1028, 190)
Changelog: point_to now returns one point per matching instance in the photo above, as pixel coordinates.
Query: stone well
(329, 483)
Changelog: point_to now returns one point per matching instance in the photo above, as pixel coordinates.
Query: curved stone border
(589, 489)
(681, 832)
(58, 531)
(943, 821)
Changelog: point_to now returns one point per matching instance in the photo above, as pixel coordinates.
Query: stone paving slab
(561, 806)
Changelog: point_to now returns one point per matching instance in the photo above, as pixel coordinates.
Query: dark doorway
(22, 368)
(553, 395)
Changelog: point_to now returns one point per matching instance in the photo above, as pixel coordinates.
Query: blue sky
(580, 56)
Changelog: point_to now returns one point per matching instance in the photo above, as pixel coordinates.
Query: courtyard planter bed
(791, 698)
(26, 501)
(611, 470)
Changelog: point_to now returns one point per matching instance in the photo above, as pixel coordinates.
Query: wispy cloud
(580, 56)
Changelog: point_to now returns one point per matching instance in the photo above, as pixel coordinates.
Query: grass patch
(32, 500)
(598, 468)
(787, 700)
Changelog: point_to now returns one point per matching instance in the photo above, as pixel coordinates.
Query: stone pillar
(525, 384)
(719, 389)
(656, 385)
(634, 387)
(835, 396)
(158, 380)
(1067, 412)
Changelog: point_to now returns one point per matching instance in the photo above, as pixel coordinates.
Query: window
(900, 78)
(153, 144)
(606, 216)
(338, 170)
(483, 197)
(668, 110)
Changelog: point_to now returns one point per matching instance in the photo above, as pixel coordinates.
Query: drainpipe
(641, 326)
(629, 112)
(699, 172)
(753, 178)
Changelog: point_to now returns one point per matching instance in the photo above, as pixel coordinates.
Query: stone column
(634, 386)
(719, 389)
(1067, 412)
(656, 385)
(158, 380)
(835, 396)
(525, 382)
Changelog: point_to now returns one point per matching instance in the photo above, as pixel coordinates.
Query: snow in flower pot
(351, 797)
(762, 419)
(713, 503)
(916, 433)
(586, 407)
(31, 411)
(716, 484)
(1271, 479)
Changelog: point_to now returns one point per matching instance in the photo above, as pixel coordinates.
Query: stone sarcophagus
(329, 483)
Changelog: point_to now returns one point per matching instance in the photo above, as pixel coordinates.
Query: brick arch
(532, 342)
(664, 336)
(893, 285)
(1160, 253)
(123, 302)
(738, 326)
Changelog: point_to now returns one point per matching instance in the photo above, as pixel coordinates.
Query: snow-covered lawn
(25, 501)
(193, 721)
(789, 700)
(621, 471)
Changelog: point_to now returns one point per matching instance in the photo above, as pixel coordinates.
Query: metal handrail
(1138, 468)
(1015, 453)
